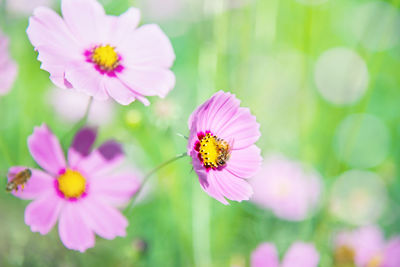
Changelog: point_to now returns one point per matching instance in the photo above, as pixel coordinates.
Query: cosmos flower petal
(212, 189)
(148, 81)
(74, 231)
(104, 220)
(367, 241)
(86, 79)
(38, 184)
(85, 19)
(96, 164)
(230, 186)
(391, 256)
(125, 25)
(120, 92)
(245, 163)
(116, 189)
(301, 255)
(41, 214)
(54, 42)
(8, 67)
(265, 255)
(84, 140)
(152, 47)
(46, 150)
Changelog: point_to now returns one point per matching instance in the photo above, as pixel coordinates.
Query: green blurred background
(266, 52)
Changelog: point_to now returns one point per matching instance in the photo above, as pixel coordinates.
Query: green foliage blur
(265, 52)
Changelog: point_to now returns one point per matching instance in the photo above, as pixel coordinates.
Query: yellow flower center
(72, 184)
(105, 57)
(214, 151)
(375, 261)
(344, 256)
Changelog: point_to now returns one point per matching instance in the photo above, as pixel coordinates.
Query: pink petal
(41, 214)
(146, 46)
(115, 189)
(106, 221)
(85, 78)
(301, 255)
(95, 165)
(46, 150)
(265, 255)
(230, 186)
(148, 81)
(391, 257)
(126, 25)
(55, 43)
(85, 19)
(245, 163)
(73, 229)
(368, 241)
(8, 74)
(122, 93)
(37, 185)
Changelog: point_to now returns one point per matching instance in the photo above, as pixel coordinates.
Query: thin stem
(147, 176)
(81, 122)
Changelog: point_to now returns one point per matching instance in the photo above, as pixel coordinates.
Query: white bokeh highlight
(341, 76)
(362, 141)
(358, 197)
(376, 25)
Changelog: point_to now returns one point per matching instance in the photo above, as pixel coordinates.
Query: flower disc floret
(71, 184)
(105, 57)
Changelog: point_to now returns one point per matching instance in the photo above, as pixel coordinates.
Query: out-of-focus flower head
(298, 255)
(365, 247)
(285, 187)
(71, 106)
(81, 193)
(103, 56)
(221, 144)
(8, 67)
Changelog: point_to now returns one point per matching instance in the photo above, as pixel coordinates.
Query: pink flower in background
(8, 67)
(80, 193)
(100, 55)
(26, 7)
(71, 107)
(221, 144)
(286, 188)
(366, 247)
(298, 255)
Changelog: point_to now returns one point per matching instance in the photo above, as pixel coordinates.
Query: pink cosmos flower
(221, 144)
(299, 255)
(8, 67)
(366, 247)
(80, 193)
(286, 188)
(103, 56)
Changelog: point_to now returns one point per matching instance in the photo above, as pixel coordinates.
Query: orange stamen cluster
(213, 152)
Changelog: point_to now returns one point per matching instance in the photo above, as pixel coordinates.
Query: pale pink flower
(8, 67)
(26, 7)
(286, 188)
(366, 247)
(221, 144)
(80, 193)
(298, 255)
(101, 55)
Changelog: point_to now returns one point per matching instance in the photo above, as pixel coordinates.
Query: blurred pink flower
(71, 106)
(8, 67)
(299, 255)
(81, 193)
(103, 56)
(366, 247)
(286, 188)
(221, 144)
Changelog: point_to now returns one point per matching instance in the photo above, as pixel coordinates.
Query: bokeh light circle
(362, 141)
(341, 76)
(376, 25)
(358, 197)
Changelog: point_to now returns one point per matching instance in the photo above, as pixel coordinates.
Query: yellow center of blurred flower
(344, 256)
(375, 261)
(105, 57)
(214, 151)
(72, 184)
